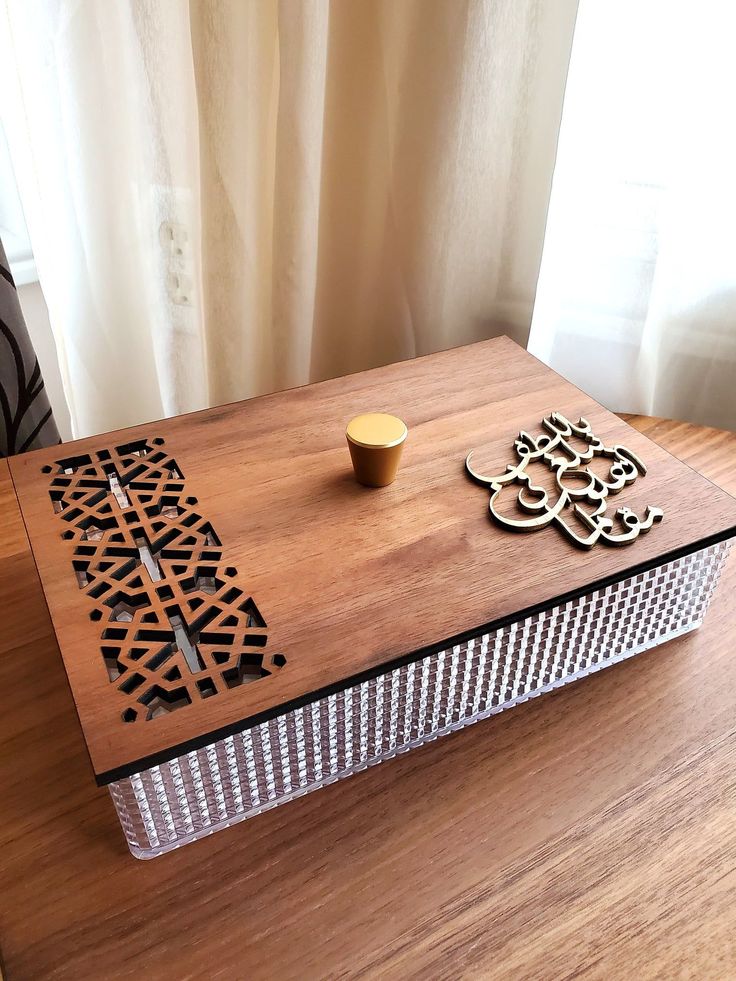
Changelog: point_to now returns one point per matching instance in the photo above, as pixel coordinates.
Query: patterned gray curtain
(27, 421)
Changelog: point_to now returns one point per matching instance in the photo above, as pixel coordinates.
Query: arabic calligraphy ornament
(554, 449)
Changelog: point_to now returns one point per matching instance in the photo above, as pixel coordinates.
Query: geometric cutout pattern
(174, 627)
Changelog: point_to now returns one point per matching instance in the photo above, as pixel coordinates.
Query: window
(13, 231)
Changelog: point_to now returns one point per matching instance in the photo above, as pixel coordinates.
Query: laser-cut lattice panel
(174, 626)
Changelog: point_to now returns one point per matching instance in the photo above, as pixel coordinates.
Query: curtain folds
(227, 198)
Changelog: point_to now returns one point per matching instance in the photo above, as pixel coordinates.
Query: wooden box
(241, 622)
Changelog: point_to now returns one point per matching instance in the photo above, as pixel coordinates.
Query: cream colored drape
(226, 198)
(637, 293)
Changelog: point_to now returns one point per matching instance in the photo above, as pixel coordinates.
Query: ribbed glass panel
(306, 748)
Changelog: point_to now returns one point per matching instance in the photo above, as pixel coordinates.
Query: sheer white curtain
(637, 293)
(230, 197)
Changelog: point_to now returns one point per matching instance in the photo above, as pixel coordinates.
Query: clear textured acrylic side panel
(306, 748)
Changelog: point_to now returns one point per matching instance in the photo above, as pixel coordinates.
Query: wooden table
(592, 831)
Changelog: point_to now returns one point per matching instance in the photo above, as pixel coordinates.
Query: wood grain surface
(587, 833)
(350, 578)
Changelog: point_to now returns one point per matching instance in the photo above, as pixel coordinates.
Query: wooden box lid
(273, 576)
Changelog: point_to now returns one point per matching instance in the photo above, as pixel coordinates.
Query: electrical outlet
(171, 210)
(179, 288)
(174, 239)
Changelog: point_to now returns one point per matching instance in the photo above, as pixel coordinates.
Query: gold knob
(375, 441)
